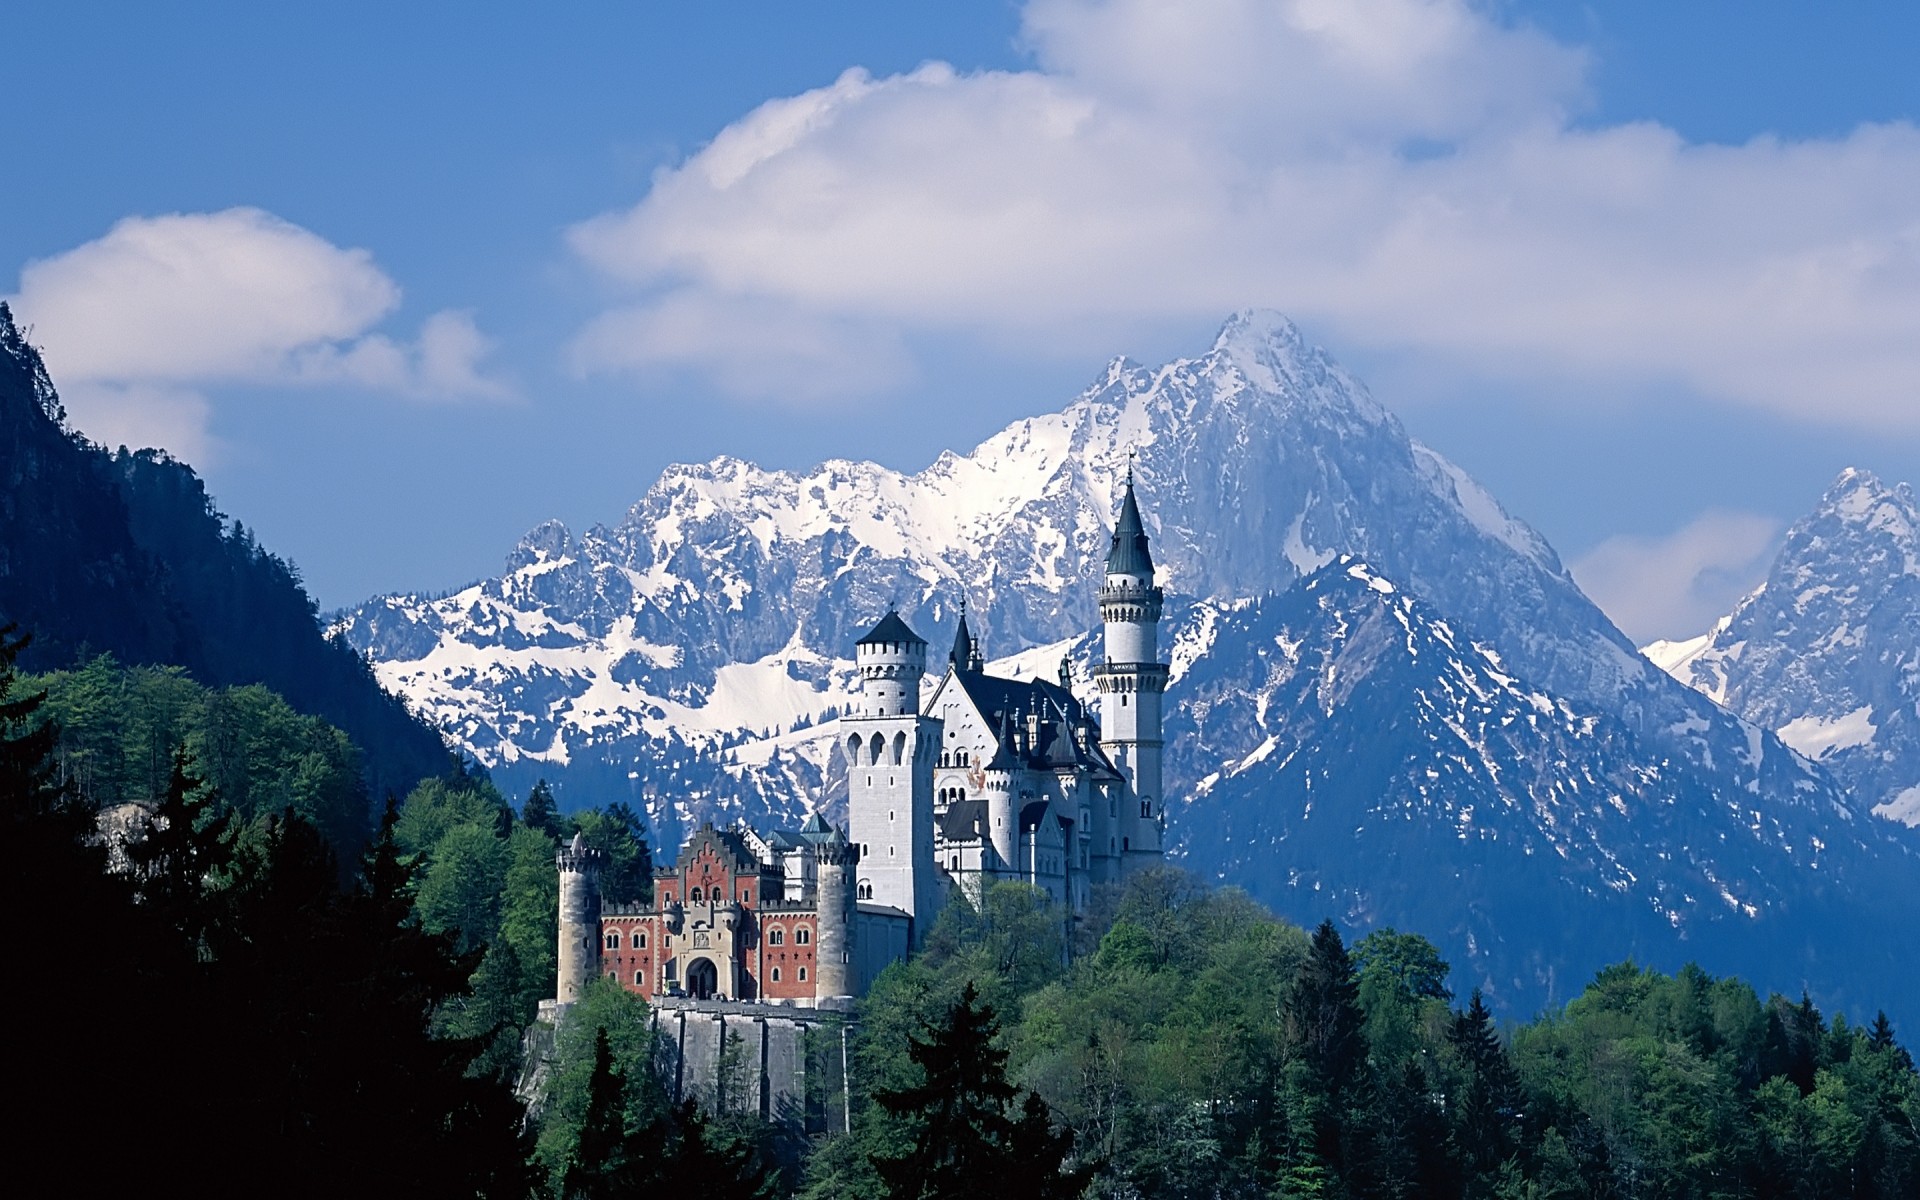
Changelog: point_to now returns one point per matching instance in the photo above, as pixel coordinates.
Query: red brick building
(744, 917)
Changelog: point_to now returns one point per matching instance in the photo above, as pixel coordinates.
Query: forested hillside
(124, 552)
(247, 1010)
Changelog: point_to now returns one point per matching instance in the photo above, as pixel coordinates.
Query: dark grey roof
(892, 629)
(1011, 698)
(964, 821)
(1032, 814)
(965, 650)
(1129, 555)
(815, 830)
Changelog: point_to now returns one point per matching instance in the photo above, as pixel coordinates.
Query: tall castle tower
(835, 861)
(1132, 681)
(579, 918)
(890, 755)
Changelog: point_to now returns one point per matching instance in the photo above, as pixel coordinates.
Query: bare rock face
(1390, 701)
(1826, 653)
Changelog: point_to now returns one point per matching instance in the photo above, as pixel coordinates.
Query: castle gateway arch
(703, 979)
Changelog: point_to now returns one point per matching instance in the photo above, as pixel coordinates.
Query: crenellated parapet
(1131, 678)
(1125, 599)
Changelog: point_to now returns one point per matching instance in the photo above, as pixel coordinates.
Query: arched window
(1146, 806)
(776, 974)
(803, 974)
(613, 939)
(775, 937)
(853, 750)
(899, 748)
(801, 936)
(696, 895)
(877, 746)
(640, 941)
(640, 978)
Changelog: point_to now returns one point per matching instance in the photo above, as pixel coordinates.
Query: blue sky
(403, 280)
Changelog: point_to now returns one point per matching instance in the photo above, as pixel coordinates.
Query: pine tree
(1483, 1117)
(964, 1142)
(540, 812)
(599, 1158)
(1323, 1018)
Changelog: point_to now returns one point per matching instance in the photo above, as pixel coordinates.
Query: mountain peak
(1271, 355)
(545, 542)
(1857, 497)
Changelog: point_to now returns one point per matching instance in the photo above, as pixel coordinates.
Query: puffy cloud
(1676, 586)
(138, 324)
(1404, 173)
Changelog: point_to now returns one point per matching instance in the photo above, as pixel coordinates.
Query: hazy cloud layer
(1406, 174)
(138, 324)
(1676, 586)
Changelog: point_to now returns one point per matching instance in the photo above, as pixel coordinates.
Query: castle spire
(965, 655)
(1129, 554)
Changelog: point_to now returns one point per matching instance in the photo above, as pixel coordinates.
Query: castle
(990, 779)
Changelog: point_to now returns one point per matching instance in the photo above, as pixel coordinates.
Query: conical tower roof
(1129, 555)
(892, 629)
(962, 651)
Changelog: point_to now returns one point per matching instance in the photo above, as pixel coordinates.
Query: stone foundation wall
(787, 1065)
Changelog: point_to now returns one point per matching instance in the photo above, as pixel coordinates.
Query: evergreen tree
(1323, 1014)
(964, 1142)
(599, 1157)
(539, 812)
(1489, 1100)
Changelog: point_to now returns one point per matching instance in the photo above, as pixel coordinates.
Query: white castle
(990, 780)
(1004, 779)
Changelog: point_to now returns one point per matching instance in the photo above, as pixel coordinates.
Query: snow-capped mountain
(1826, 652)
(692, 656)
(1390, 771)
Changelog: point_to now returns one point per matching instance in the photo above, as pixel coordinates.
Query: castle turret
(1132, 680)
(1002, 823)
(835, 863)
(579, 956)
(890, 756)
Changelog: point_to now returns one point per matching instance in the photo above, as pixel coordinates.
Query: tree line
(230, 1009)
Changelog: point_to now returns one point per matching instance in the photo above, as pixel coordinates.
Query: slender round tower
(1003, 831)
(834, 970)
(579, 866)
(1131, 681)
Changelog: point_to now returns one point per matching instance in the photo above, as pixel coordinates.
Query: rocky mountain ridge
(1826, 652)
(694, 654)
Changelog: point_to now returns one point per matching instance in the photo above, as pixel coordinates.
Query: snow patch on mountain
(1827, 650)
(1817, 738)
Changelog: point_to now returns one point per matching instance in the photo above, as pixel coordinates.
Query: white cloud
(139, 324)
(1404, 173)
(747, 349)
(1676, 586)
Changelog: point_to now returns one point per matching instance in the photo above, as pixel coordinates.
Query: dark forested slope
(125, 553)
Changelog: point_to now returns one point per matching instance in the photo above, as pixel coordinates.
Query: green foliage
(967, 1130)
(262, 1020)
(619, 833)
(120, 728)
(607, 1129)
(540, 813)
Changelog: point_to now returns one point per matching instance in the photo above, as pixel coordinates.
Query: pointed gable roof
(1129, 555)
